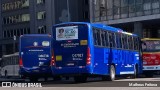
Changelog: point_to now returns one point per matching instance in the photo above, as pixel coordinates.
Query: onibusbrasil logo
(14, 84)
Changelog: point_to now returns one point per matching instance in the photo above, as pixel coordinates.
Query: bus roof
(9, 55)
(150, 39)
(110, 28)
(102, 26)
(71, 23)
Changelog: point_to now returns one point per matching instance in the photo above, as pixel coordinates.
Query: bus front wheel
(149, 75)
(112, 73)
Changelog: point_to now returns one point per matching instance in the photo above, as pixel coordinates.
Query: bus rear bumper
(38, 72)
(70, 71)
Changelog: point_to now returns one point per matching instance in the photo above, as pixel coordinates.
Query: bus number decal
(43, 56)
(77, 56)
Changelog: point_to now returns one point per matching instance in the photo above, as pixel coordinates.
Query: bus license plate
(35, 70)
(70, 64)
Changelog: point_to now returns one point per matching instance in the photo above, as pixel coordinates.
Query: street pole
(68, 10)
(14, 42)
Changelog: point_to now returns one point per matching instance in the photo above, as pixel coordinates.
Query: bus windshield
(151, 45)
(35, 42)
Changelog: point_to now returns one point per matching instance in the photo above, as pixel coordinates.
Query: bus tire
(112, 73)
(33, 79)
(149, 75)
(57, 78)
(45, 79)
(80, 79)
(105, 78)
(22, 76)
(135, 75)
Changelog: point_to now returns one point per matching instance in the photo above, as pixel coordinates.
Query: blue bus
(35, 56)
(85, 49)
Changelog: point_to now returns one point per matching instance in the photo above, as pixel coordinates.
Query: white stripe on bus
(127, 72)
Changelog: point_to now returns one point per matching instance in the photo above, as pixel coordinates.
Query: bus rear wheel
(33, 79)
(135, 75)
(57, 78)
(112, 73)
(80, 79)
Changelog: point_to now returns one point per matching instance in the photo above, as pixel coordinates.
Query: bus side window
(114, 40)
(107, 38)
(126, 41)
(103, 39)
(137, 41)
(99, 38)
(130, 42)
(119, 39)
(95, 36)
(17, 59)
(135, 44)
(110, 40)
(123, 41)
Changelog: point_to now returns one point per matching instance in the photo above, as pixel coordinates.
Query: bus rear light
(88, 61)
(49, 35)
(20, 62)
(52, 61)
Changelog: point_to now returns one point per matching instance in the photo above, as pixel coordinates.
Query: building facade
(137, 16)
(20, 17)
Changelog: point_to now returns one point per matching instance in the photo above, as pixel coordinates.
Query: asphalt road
(95, 84)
